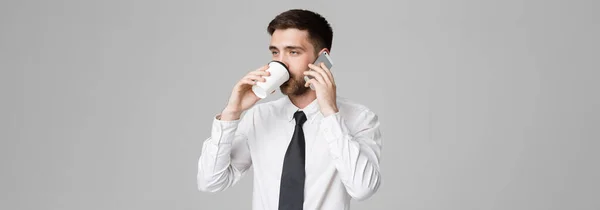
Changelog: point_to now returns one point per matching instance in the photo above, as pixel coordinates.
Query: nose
(281, 58)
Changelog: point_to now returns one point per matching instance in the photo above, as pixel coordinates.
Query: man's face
(292, 47)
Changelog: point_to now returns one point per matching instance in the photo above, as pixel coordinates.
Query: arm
(225, 155)
(356, 155)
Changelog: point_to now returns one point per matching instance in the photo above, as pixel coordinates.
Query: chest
(269, 143)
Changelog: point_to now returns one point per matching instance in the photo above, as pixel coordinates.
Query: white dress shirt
(342, 153)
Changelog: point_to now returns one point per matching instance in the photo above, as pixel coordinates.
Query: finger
(313, 82)
(328, 71)
(263, 68)
(321, 72)
(260, 73)
(256, 78)
(247, 81)
(316, 76)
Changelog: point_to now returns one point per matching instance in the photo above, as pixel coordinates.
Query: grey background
(483, 104)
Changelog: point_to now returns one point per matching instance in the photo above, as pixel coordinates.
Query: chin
(294, 87)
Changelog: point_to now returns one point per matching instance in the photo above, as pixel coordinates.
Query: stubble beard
(294, 87)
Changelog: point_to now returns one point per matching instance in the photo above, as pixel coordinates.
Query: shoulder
(353, 111)
(350, 107)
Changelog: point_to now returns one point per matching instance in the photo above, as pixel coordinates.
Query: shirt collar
(311, 110)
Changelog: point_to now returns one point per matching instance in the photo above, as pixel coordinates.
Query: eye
(294, 52)
(273, 53)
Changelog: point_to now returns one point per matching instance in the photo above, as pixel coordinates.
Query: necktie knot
(300, 118)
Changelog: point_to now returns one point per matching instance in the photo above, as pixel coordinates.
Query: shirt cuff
(223, 132)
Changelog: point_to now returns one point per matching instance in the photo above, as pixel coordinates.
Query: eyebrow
(287, 47)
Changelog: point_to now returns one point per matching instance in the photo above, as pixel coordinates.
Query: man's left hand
(324, 86)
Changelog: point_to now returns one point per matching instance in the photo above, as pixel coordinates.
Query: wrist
(329, 111)
(230, 114)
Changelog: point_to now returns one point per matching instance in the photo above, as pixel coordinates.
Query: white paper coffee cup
(279, 75)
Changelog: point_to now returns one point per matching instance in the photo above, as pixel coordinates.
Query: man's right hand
(242, 97)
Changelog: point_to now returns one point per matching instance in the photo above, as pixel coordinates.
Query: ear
(324, 50)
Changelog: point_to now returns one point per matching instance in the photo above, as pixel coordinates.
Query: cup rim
(283, 64)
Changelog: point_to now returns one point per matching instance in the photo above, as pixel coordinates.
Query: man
(310, 149)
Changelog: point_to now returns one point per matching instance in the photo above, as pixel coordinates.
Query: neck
(301, 101)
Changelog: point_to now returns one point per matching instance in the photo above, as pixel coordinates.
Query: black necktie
(291, 191)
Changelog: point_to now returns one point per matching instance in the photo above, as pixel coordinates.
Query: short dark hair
(319, 31)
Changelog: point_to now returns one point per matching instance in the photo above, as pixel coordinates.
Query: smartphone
(323, 58)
